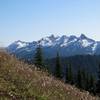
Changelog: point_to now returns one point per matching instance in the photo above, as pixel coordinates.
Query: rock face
(67, 46)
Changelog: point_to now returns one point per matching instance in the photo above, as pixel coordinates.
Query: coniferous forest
(82, 77)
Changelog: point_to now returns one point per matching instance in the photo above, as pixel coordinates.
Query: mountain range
(65, 45)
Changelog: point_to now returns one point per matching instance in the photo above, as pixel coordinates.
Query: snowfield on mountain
(67, 46)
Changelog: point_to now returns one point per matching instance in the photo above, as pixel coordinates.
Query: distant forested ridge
(89, 63)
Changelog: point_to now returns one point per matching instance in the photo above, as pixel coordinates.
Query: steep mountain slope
(19, 81)
(67, 46)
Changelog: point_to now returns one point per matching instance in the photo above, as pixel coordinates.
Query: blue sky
(29, 20)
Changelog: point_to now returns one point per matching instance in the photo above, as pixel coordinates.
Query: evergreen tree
(69, 74)
(87, 82)
(38, 57)
(83, 73)
(58, 72)
(79, 79)
(92, 84)
(98, 82)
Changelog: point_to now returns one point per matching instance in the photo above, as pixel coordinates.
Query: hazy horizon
(30, 20)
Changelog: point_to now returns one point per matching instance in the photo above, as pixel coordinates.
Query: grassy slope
(26, 82)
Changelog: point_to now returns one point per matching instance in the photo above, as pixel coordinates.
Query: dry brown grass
(21, 81)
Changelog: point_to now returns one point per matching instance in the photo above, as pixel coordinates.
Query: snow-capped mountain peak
(49, 40)
(85, 41)
(67, 46)
(82, 36)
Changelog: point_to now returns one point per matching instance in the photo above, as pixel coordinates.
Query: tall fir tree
(92, 84)
(38, 57)
(83, 73)
(87, 82)
(69, 74)
(79, 78)
(98, 82)
(58, 72)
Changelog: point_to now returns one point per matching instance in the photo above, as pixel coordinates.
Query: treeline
(82, 79)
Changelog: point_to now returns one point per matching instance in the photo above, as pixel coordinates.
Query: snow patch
(85, 43)
(66, 42)
(21, 45)
(94, 46)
